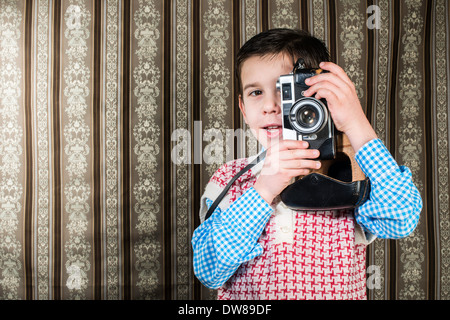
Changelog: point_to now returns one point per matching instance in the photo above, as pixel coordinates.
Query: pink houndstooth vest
(319, 261)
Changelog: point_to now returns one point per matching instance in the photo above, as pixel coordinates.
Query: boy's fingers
(335, 71)
(301, 164)
(289, 144)
(327, 94)
(324, 87)
(299, 154)
(334, 68)
(328, 79)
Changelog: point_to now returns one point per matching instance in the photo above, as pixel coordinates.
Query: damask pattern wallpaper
(114, 114)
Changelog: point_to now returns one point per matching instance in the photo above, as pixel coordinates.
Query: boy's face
(260, 99)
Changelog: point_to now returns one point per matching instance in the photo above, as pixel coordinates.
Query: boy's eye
(255, 93)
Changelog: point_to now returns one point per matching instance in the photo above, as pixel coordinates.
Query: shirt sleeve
(394, 206)
(229, 238)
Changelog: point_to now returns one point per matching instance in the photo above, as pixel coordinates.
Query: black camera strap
(213, 207)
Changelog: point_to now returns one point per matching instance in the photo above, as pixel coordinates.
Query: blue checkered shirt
(229, 238)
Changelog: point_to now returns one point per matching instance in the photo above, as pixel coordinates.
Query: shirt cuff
(375, 160)
(250, 212)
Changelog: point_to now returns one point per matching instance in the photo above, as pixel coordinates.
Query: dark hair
(293, 42)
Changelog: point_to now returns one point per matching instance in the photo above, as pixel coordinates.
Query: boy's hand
(284, 160)
(343, 103)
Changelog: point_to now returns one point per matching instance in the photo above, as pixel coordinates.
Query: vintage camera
(306, 118)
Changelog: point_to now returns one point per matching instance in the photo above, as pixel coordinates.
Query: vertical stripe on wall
(125, 168)
(440, 102)
(382, 45)
(28, 152)
(77, 149)
(56, 152)
(146, 148)
(42, 146)
(216, 86)
(412, 251)
(97, 79)
(111, 136)
(181, 106)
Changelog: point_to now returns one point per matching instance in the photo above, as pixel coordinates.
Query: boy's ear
(242, 108)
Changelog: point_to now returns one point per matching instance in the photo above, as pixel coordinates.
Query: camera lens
(308, 115)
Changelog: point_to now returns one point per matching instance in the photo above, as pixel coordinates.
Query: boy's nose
(272, 104)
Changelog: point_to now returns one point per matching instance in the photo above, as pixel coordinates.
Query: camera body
(306, 118)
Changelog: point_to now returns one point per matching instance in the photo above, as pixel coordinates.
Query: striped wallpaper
(97, 201)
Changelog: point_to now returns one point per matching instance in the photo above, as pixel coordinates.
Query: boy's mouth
(273, 130)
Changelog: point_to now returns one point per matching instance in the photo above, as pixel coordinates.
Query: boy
(253, 246)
